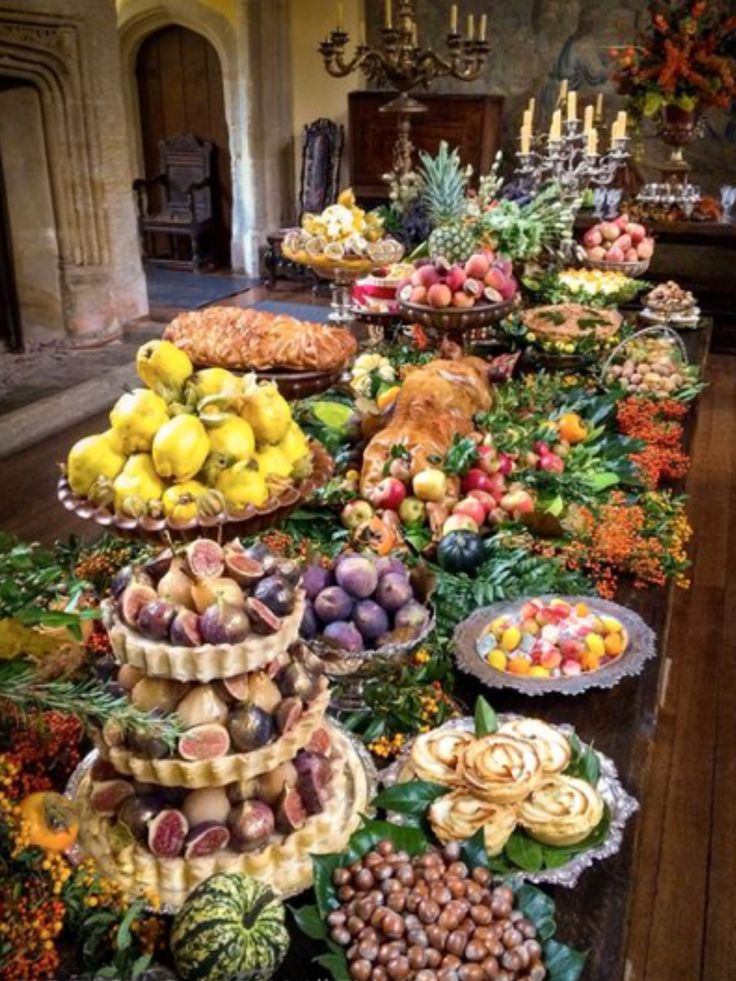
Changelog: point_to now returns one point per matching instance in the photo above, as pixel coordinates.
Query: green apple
(412, 511)
(355, 513)
(430, 484)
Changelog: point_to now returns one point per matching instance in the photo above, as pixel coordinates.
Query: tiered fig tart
(250, 777)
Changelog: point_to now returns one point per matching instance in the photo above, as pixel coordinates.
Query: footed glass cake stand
(341, 268)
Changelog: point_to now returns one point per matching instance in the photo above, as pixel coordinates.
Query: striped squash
(230, 926)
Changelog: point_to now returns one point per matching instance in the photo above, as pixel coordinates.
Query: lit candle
(526, 139)
(532, 106)
(621, 124)
(563, 92)
(453, 19)
(614, 130)
(387, 16)
(414, 37)
(340, 12)
(555, 130)
(361, 34)
(471, 27)
(588, 119)
(572, 105)
(599, 107)
(483, 25)
(526, 120)
(592, 147)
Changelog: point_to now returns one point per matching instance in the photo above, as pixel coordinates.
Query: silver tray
(642, 647)
(76, 854)
(620, 804)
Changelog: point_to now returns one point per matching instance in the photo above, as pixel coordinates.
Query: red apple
(645, 248)
(487, 458)
(355, 513)
(615, 254)
(506, 464)
(497, 516)
(518, 502)
(472, 508)
(551, 463)
(487, 500)
(430, 484)
(623, 242)
(389, 493)
(622, 221)
(412, 511)
(498, 484)
(459, 522)
(476, 479)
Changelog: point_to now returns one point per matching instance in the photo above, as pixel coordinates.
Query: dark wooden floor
(684, 906)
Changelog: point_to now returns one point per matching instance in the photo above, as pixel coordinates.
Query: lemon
(180, 448)
(138, 481)
(90, 458)
(268, 413)
(164, 368)
(510, 638)
(294, 445)
(181, 501)
(595, 645)
(136, 417)
(537, 671)
(232, 439)
(497, 659)
(241, 485)
(272, 461)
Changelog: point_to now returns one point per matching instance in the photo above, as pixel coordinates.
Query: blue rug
(187, 290)
(302, 311)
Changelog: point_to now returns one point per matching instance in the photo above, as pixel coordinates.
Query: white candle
(563, 92)
(453, 19)
(414, 39)
(526, 139)
(471, 27)
(621, 118)
(483, 25)
(592, 147)
(599, 107)
(572, 105)
(526, 120)
(532, 106)
(555, 130)
(614, 130)
(588, 118)
(387, 16)
(361, 34)
(340, 13)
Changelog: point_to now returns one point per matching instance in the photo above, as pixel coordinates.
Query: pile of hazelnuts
(430, 918)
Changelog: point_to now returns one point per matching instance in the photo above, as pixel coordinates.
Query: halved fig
(205, 559)
(132, 600)
(206, 839)
(107, 796)
(288, 714)
(237, 686)
(158, 565)
(167, 833)
(290, 812)
(243, 569)
(319, 742)
(184, 630)
(262, 620)
(313, 781)
(206, 742)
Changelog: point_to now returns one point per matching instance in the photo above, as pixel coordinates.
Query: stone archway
(100, 290)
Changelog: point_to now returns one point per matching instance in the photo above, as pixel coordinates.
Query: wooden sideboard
(470, 122)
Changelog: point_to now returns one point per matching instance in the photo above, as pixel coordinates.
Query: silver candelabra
(570, 162)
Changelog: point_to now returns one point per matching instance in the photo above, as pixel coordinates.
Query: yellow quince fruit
(242, 485)
(180, 448)
(210, 382)
(232, 439)
(136, 417)
(92, 458)
(164, 368)
(272, 461)
(181, 501)
(267, 411)
(346, 198)
(294, 445)
(137, 486)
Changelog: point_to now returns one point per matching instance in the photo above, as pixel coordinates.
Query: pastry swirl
(552, 746)
(501, 768)
(561, 810)
(458, 815)
(435, 755)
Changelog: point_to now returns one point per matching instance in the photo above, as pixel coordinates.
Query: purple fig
(263, 621)
(132, 600)
(289, 570)
(205, 559)
(309, 627)
(136, 813)
(295, 681)
(393, 591)
(370, 619)
(250, 728)
(184, 630)
(155, 618)
(333, 603)
(357, 576)
(288, 714)
(166, 833)
(206, 839)
(251, 824)
(315, 579)
(107, 796)
(277, 595)
(313, 781)
(344, 636)
(413, 615)
(223, 623)
(158, 565)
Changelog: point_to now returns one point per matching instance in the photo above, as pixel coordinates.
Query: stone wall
(535, 43)
(67, 49)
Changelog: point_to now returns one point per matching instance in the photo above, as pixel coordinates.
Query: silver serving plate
(620, 804)
(642, 646)
(76, 854)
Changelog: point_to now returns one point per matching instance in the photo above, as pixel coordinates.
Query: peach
(509, 288)
(636, 231)
(623, 242)
(418, 295)
(416, 278)
(631, 255)
(477, 266)
(494, 278)
(439, 295)
(615, 254)
(645, 248)
(427, 275)
(609, 230)
(461, 299)
(455, 278)
(550, 659)
(622, 221)
(597, 253)
(592, 237)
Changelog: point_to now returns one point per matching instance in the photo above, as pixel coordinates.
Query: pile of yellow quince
(190, 443)
(343, 221)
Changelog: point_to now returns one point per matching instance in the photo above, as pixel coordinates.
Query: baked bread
(253, 340)
(500, 768)
(561, 810)
(435, 755)
(552, 747)
(571, 321)
(457, 816)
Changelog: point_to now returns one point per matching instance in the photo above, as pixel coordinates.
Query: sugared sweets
(430, 918)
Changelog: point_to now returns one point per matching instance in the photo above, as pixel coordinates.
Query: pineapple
(445, 183)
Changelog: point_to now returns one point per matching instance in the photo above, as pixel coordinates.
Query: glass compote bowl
(342, 263)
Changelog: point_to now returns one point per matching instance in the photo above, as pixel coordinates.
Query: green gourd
(461, 551)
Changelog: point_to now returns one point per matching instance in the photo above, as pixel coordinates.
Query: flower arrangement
(683, 60)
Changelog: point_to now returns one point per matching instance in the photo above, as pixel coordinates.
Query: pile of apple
(484, 278)
(619, 240)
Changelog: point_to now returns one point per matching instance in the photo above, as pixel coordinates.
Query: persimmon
(377, 535)
(571, 428)
(51, 819)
